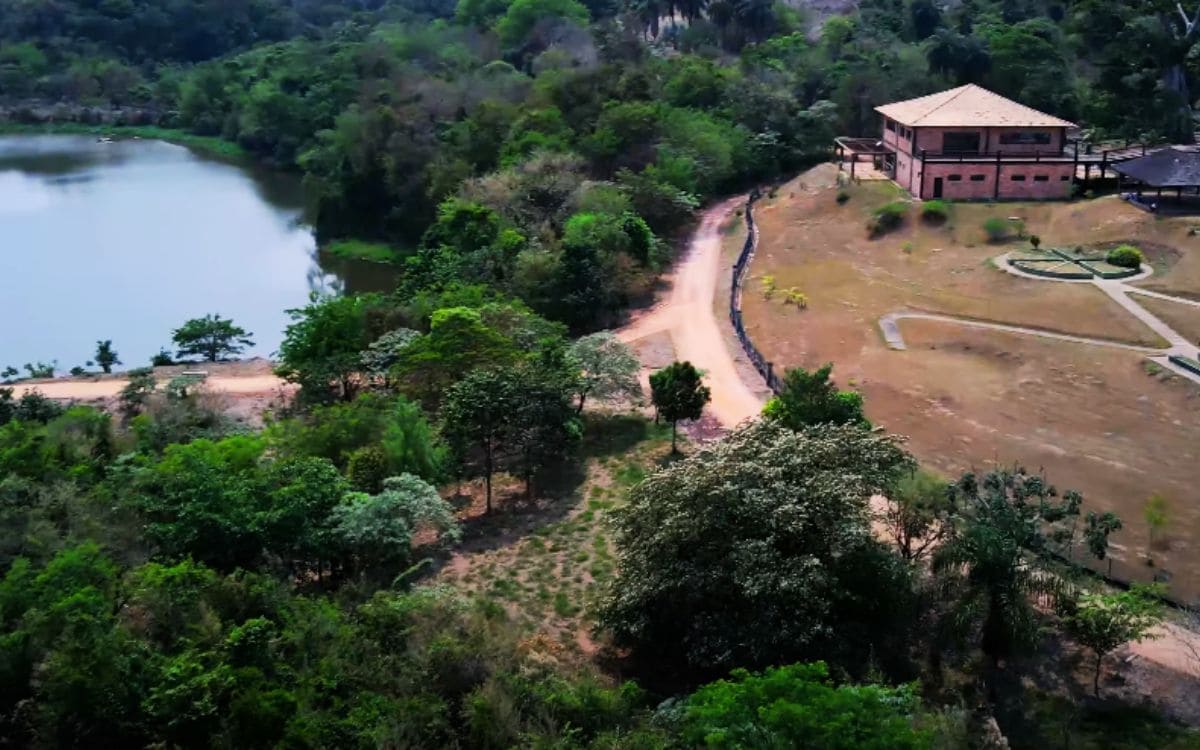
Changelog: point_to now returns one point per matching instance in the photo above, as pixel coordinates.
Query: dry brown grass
(1185, 319)
(1095, 419)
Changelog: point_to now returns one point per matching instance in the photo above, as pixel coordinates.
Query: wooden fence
(765, 369)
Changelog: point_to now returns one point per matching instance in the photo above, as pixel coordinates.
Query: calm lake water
(127, 240)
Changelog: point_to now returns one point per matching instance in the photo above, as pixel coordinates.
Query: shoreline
(211, 146)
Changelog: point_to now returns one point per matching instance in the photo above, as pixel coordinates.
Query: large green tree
(323, 345)
(759, 549)
(211, 337)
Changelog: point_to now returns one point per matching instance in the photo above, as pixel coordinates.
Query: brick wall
(930, 139)
(1030, 188)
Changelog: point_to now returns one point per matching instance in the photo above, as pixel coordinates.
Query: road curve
(686, 314)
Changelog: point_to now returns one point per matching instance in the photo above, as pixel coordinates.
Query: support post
(921, 188)
(996, 187)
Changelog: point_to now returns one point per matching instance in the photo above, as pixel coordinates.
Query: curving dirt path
(685, 314)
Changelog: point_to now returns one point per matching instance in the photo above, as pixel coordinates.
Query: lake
(127, 240)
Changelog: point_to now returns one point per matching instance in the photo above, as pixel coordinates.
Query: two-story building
(969, 143)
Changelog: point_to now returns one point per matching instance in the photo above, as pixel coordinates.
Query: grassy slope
(373, 252)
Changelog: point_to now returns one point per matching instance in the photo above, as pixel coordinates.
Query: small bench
(194, 374)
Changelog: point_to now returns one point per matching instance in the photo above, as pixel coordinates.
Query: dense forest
(528, 130)
(172, 578)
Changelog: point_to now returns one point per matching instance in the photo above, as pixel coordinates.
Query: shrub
(1035, 240)
(162, 359)
(935, 211)
(842, 197)
(887, 217)
(997, 229)
(768, 287)
(1125, 256)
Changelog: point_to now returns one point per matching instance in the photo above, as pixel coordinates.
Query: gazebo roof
(1170, 167)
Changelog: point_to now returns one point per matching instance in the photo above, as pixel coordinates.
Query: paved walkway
(1118, 290)
(686, 315)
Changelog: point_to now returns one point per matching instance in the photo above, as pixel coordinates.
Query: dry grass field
(1100, 420)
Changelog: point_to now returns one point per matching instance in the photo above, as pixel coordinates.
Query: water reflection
(127, 240)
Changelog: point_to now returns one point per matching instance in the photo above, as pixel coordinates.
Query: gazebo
(1175, 169)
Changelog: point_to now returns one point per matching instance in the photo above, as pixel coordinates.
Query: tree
(812, 398)
(323, 345)
(137, 392)
(798, 706)
(377, 529)
(545, 427)
(523, 16)
(105, 356)
(211, 337)
(1014, 524)
(678, 393)
(759, 549)
(607, 369)
(459, 340)
(920, 513)
(477, 417)
(1102, 622)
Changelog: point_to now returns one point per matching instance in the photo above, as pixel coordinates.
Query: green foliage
(606, 367)
(887, 217)
(393, 427)
(376, 530)
(1102, 622)
(1126, 256)
(106, 356)
(843, 197)
(677, 392)
(1010, 517)
(358, 250)
(935, 211)
(322, 346)
(211, 337)
(999, 229)
(757, 550)
(807, 399)
(522, 16)
(797, 706)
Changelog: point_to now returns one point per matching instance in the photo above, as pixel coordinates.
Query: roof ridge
(942, 102)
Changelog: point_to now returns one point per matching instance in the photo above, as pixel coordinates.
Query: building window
(1041, 178)
(978, 177)
(1018, 178)
(1025, 138)
(954, 178)
(960, 143)
(891, 125)
(1065, 178)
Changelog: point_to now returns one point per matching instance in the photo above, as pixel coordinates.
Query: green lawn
(374, 252)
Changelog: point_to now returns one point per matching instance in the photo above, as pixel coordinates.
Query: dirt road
(686, 315)
(241, 379)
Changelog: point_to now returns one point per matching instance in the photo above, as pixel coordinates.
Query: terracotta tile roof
(967, 106)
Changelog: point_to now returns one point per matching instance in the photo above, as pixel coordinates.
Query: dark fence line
(765, 369)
